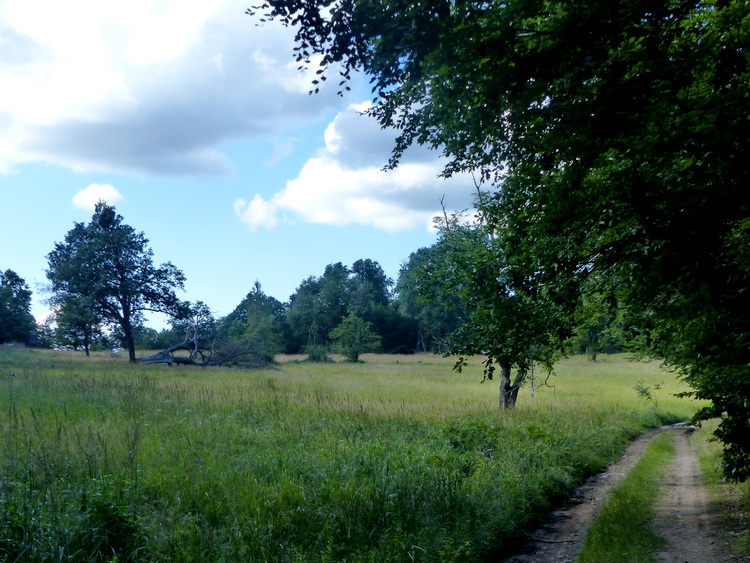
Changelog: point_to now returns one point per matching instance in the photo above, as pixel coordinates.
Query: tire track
(684, 516)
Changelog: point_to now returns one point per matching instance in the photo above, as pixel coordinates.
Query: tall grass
(732, 499)
(395, 459)
(621, 533)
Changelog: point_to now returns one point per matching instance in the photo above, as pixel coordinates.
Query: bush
(317, 353)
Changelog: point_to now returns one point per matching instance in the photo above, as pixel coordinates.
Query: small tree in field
(354, 337)
(504, 313)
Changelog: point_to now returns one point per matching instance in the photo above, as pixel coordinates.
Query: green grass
(394, 459)
(733, 499)
(620, 533)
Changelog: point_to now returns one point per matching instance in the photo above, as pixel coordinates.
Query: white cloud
(88, 197)
(257, 213)
(153, 87)
(345, 183)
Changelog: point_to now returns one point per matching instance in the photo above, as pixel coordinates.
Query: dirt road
(684, 516)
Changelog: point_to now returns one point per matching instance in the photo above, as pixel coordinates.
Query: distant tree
(599, 327)
(46, 337)
(425, 299)
(148, 338)
(354, 337)
(370, 286)
(78, 324)
(16, 321)
(398, 334)
(335, 297)
(110, 264)
(258, 316)
(371, 300)
(318, 306)
(304, 308)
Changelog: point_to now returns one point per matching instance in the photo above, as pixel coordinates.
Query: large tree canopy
(614, 137)
(106, 269)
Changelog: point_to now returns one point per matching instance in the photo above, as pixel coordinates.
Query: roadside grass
(620, 532)
(733, 499)
(394, 459)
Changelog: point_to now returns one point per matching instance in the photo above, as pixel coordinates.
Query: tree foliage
(321, 303)
(104, 270)
(260, 317)
(16, 321)
(78, 324)
(506, 314)
(615, 136)
(354, 337)
(424, 298)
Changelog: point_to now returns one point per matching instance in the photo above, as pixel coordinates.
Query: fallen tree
(206, 345)
(246, 353)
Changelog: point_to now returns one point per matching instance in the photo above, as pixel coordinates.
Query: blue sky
(196, 124)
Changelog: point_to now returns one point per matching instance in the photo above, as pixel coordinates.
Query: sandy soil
(684, 518)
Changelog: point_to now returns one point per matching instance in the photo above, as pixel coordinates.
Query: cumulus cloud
(257, 213)
(154, 88)
(345, 183)
(88, 197)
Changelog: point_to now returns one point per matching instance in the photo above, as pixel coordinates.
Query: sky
(193, 120)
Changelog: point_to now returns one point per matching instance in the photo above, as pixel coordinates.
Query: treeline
(390, 317)
(103, 280)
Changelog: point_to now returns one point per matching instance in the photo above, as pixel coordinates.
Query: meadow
(394, 459)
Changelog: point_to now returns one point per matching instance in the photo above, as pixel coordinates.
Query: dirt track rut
(684, 515)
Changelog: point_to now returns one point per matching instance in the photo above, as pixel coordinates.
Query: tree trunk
(520, 377)
(508, 391)
(128, 332)
(507, 397)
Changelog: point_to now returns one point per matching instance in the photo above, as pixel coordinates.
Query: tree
(371, 300)
(318, 306)
(370, 285)
(78, 324)
(45, 330)
(304, 308)
(354, 337)
(261, 317)
(599, 327)
(424, 298)
(614, 135)
(109, 266)
(506, 315)
(16, 321)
